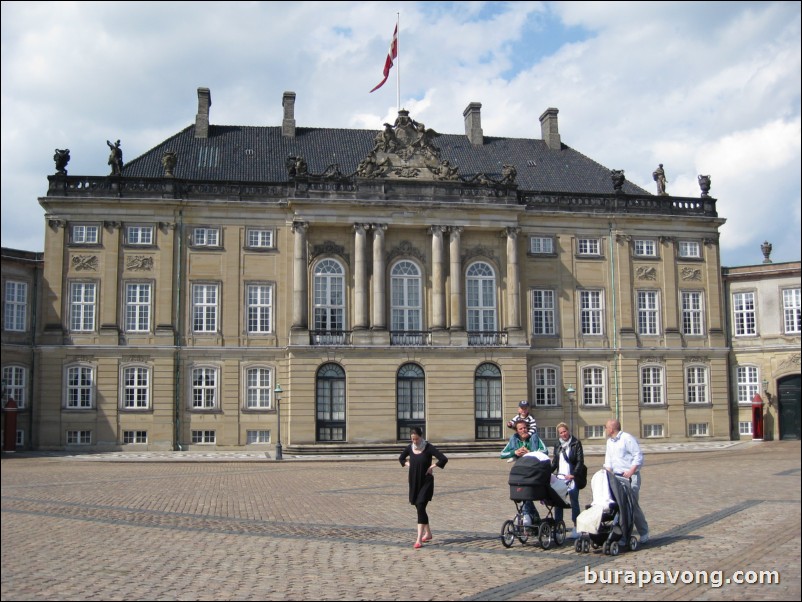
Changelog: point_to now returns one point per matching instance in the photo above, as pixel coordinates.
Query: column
(379, 321)
(360, 278)
(513, 281)
(457, 314)
(300, 295)
(438, 293)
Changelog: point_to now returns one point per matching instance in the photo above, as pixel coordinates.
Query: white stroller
(607, 521)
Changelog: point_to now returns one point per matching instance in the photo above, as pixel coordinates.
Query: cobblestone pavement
(241, 529)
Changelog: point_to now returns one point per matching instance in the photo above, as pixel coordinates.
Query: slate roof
(258, 154)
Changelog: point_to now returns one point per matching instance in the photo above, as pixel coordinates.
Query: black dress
(421, 485)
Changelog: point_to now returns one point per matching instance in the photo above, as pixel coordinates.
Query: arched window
(330, 403)
(480, 285)
(410, 399)
(487, 402)
(329, 301)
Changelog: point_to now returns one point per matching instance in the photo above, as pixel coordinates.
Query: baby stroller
(607, 521)
(530, 480)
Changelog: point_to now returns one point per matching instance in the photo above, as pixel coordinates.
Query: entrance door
(790, 397)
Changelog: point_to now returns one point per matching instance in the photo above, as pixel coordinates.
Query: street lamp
(278, 391)
(571, 396)
(765, 384)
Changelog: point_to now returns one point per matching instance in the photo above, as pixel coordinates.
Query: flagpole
(398, 61)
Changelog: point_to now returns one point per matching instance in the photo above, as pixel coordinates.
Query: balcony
(486, 338)
(411, 338)
(329, 337)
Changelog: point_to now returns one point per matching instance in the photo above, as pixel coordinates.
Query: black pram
(530, 480)
(607, 522)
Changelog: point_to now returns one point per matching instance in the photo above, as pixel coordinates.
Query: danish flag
(391, 54)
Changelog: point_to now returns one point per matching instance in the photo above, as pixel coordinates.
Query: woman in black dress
(418, 455)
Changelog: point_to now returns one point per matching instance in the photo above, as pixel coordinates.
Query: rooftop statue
(62, 157)
(659, 176)
(115, 158)
(617, 175)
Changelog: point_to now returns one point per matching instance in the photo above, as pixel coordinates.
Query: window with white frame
(487, 401)
(743, 314)
(137, 306)
(543, 312)
(260, 238)
(206, 237)
(80, 387)
(329, 296)
(698, 429)
(748, 383)
(692, 313)
(648, 313)
(589, 246)
(690, 249)
(16, 306)
(15, 379)
(136, 388)
(745, 427)
(258, 388)
(260, 308)
(652, 431)
(204, 307)
(481, 297)
(651, 385)
(204, 388)
(696, 384)
(545, 386)
(549, 433)
(541, 245)
(595, 431)
(253, 437)
(83, 296)
(139, 235)
(131, 437)
(591, 312)
(79, 437)
(204, 437)
(405, 297)
(791, 313)
(645, 247)
(85, 235)
(593, 386)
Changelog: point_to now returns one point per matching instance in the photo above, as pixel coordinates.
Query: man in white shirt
(624, 457)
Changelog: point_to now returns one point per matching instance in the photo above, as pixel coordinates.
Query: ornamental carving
(55, 224)
(479, 251)
(791, 362)
(697, 360)
(652, 360)
(688, 273)
(406, 249)
(329, 248)
(139, 263)
(82, 263)
(139, 359)
(646, 272)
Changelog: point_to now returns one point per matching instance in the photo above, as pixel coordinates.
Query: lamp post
(278, 391)
(765, 384)
(571, 396)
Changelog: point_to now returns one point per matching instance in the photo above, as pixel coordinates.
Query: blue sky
(703, 87)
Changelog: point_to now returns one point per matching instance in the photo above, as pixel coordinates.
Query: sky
(702, 87)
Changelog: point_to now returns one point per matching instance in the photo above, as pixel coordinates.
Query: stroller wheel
(633, 543)
(614, 548)
(586, 546)
(545, 535)
(606, 548)
(508, 534)
(559, 533)
(578, 546)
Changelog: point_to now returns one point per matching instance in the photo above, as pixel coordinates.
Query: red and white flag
(391, 55)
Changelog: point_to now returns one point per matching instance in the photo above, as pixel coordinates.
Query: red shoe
(425, 539)
(417, 545)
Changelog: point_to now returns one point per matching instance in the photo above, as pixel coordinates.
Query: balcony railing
(487, 338)
(330, 337)
(411, 338)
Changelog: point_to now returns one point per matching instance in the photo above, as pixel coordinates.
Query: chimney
(473, 123)
(202, 118)
(549, 130)
(288, 124)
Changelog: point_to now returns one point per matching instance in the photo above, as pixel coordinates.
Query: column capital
(300, 226)
(512, 231)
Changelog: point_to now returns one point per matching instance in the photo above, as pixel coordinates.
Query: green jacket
(534, 443)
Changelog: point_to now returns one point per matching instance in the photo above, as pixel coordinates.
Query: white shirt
(623, 452)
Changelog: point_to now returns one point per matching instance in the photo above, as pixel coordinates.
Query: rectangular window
(652, 431)
(20, 438)
(137, 307)
(543, 313)
(204, 437)
(698, 429)
(589, 246)
(545, 387)
(79, 437)
(550, 433)
(648, 313)
(254, 437)
(743, 314)
(15, 378)
(16, 306)
(206, 237)
(541, 245)
(594, 432)
(139, 235)
(85, 235)
(204, 388)
(748, 384)
(83, 296)
(258, 389)
(645, 248)
(260, 308)
(80, 387)
(697, 384)
(136, 388)
(652, 385)
(689, 249)
(593, 386)
(260, 239)
(130, 437)
(791, 313)
(692, 313)
(204, 307)
(591, 312)
(745, 427)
